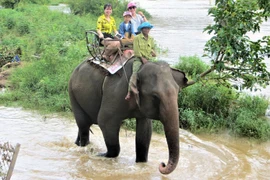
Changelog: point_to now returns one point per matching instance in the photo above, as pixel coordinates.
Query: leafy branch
(233, 54)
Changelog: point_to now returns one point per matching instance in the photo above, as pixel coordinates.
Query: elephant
(97, 98)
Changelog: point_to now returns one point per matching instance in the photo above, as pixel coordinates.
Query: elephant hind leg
(83, 122)
(83, 137)
(143, 138)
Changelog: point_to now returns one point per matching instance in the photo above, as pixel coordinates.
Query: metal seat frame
(94, 47)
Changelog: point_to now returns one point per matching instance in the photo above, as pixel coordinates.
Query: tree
(14, 3)
(9, 3)
(233, 54)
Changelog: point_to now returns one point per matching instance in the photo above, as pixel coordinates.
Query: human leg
(111, 47)
(128, 40)
(133, 78)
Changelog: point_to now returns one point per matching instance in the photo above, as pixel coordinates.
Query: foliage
(233, 54)
(256, 105)
(131, 125)
(211, 107)
(265, 5)
(6, 55)
(244, 116)
(52, 45)
(191, 65)
(14, 3)
(41, 2)
(248, 124)
(9, 3)
(57, 2)
(96, 7)
(211, 98)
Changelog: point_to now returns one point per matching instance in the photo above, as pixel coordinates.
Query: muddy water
(47, 143)
(48, 152)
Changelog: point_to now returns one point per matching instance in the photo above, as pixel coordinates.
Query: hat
(127, 13)
(145, 25)
(131, 4)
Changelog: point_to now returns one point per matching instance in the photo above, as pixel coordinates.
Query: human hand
(141, 13)
(144, 60)
(153, 53)
(101, 36)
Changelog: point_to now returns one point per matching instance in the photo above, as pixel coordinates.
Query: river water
(47, 142)
(48, 152)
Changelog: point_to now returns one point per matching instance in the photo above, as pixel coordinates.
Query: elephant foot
(107, 155)
(112, 151)
(141, 160)
(82, 143)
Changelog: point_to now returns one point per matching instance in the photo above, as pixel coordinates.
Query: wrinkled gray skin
(100, 99)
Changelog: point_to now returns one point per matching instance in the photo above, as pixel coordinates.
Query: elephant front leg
(110, 129)
(143, 138)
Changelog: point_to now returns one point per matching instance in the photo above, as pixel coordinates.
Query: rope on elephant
(8, 156)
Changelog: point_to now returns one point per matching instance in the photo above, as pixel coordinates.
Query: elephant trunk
(170, 119)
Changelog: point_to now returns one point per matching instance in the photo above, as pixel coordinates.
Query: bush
(255, 104)
(247, 124)
(9, 3)
(200, 121)
(14, 3)
(131, 125)
(96, 7)
(41, 2)
(210, 98)
(212, 107)
(10, 23)
(191, 65)
(23, 28)
(53, 44)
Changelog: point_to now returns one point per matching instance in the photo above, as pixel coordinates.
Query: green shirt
(143, 47)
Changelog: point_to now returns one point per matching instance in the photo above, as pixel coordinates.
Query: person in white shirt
(137, 18)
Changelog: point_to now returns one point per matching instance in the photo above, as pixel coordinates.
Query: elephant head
(159, 86)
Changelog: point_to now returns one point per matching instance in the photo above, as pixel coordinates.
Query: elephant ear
(180, 78)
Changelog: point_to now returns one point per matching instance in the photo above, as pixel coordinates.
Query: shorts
(106, 35)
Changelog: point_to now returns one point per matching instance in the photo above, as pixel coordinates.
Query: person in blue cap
(143, 46)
